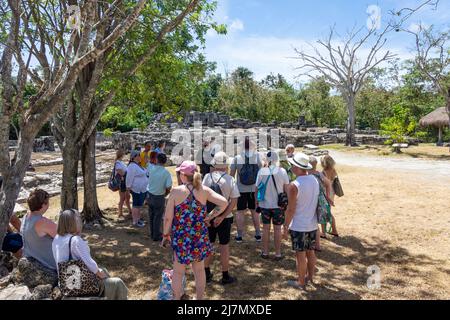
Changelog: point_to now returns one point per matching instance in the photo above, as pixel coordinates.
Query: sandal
(264, 256)
(294, 284)
(278, 258)
(335, 235)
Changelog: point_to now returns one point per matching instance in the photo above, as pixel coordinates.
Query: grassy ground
(396, 220)
(423, 151)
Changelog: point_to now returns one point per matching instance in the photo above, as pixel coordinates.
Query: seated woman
(69, 227)
(38, 232)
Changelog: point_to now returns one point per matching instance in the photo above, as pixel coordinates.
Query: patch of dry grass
(391, 219)
(423, 151)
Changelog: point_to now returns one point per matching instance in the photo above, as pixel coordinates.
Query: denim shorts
(138, 199)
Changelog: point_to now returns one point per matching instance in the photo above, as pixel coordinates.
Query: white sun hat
(300, 160)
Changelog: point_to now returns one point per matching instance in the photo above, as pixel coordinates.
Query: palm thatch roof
(438, 118)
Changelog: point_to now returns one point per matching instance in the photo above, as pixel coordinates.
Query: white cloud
(236, 25)
(265, 55)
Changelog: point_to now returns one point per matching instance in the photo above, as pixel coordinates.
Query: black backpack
(216, 188)
(248, 172)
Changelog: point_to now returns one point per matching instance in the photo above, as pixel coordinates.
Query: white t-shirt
(227, 185)
(281, 178)
(120, 165)
(305, 217)
(137, 178)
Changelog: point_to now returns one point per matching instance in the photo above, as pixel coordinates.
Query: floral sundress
(190, 239)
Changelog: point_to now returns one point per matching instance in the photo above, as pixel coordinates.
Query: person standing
(329, 171)
(121, 169)
(159, 185)
(221, 226)
(301, 219)
(185, 227)
(246, 166)
(204, 158)
(160, 147)
(136, 183)
(325, 186)
(145, 154)
(273, 180)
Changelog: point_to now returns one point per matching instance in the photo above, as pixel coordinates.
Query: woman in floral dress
(186, 227)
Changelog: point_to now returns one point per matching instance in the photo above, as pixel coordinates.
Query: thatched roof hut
(439, 118)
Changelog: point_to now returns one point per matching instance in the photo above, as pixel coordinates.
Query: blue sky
(262, 34)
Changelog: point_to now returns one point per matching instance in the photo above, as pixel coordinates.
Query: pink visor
(187, 168)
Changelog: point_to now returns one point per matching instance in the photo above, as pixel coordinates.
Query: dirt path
(394, 215)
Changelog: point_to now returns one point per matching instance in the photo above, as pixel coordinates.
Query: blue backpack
(248, 172)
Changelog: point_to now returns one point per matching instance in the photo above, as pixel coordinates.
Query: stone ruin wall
(299, 134)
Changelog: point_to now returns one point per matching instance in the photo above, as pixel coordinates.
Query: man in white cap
(220, 181)
(301, 218)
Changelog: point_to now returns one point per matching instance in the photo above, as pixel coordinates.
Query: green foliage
(401, 124)
(108, 132)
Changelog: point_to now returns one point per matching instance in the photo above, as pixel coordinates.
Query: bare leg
(177, 280)
(136, 214)
(310, 254)
(127, 202)
(333, 225)
(256, 222)
(324, 230)
(209, 260)
(200, 278)
(277, 240)
(225, 257)
(18, 254)
(240, 222)
(301, 267)
(121, 202)
(318, 240)
(266, 238)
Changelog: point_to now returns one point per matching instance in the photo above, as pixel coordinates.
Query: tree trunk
(69, 188)
(448, 109)
(351, 121)
(91, 210)
(440, 142)
(12, 181)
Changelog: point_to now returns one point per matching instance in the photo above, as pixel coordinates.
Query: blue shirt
(159, 180)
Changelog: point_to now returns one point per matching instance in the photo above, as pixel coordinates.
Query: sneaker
(238, 239)
(228, 280)
(142, 221)
(258, 238)
(139, 224)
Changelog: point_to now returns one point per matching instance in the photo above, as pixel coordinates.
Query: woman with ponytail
(186, 226)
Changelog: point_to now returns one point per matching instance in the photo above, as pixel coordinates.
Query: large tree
(40, 48)
(346, 62)
(432, 49)
(74, 125)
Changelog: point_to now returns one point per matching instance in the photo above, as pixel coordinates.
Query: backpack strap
(70, 248)
(274, 182)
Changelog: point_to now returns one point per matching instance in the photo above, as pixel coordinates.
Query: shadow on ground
(342, 267)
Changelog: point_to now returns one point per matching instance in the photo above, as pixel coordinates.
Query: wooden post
(440, 142)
